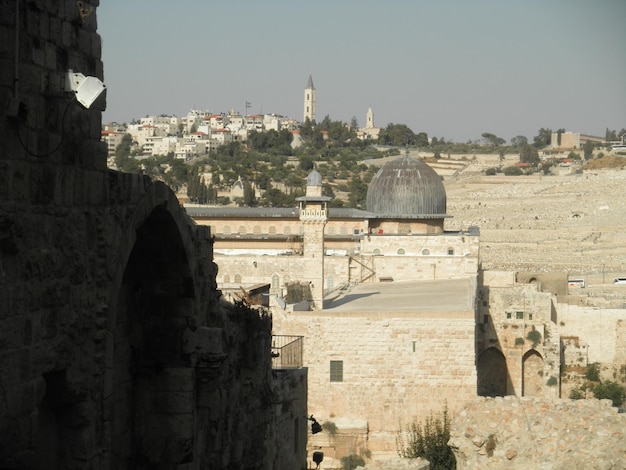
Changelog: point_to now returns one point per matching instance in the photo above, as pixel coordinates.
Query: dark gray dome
(314, 179)
(406, 187)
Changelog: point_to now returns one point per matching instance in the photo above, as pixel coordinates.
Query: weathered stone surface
(508, 432)
(101, 274)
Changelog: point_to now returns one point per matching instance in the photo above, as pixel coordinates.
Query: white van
(619, 280)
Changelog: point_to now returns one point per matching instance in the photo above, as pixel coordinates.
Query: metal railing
(286, 352)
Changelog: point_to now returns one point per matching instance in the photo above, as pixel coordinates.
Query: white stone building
(388, 314)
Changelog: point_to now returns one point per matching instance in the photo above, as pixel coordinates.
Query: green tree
(249, 198)
(588, 150)
(429, 441)
(610, 390)
(543, 137)
(512, 171)
(397, 134)
(122, 151)
(492, 139)
(529, 154)
(519, 141)
(358, 192)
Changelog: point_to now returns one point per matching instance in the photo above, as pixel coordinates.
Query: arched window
(401, 251)
(376, 252)
(226, 279)
(287, 230)
(286, 279)
(241, 229)
(330, 283)
(257, 230)
(237, 279)
(425, 251)
(271, 230)
(275, 281)
(330, 230)
(343, 231)
(226, 228)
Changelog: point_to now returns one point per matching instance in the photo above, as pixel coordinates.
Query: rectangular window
(530, 316)
(508, 315)
(485, 318)
(519, 315)
(336, 371)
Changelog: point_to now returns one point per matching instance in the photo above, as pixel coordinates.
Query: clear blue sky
(450, 68)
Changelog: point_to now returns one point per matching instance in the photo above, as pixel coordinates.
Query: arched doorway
(492, 374)
(532, 373)
(153, 302)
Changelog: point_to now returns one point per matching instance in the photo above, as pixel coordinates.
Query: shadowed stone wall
(115, 349)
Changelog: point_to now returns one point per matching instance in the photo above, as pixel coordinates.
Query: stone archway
(532, 374)
(492, 373)
(152, 387)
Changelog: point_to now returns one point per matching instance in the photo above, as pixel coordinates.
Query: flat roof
(441, 295)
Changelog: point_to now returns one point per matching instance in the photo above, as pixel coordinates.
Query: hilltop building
(309, 101)
(370, 131)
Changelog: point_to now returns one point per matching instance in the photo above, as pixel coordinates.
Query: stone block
(203, 340)
(68, 35)
(176, 379)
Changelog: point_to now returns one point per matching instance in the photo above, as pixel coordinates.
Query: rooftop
(440, 296)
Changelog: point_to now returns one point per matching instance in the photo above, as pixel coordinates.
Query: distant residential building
(572, 140)
(112, 139)
(164, 145)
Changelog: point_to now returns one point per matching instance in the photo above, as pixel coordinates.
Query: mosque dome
(314, 179)
(406, 188)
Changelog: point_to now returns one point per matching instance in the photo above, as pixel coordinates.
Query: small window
(271, 230)
(530, 316)
(425, 251)
(519, 315)
(287, 230)
(343, 231)
(330, 230)
(336, 371)
(242, 229)
(226, 228)
(450, 251)
(485, 303)
(226, 278)
(257, 230)
(275, 281)
(401, 251)
(237, 278)
(509, 315)
(485, 319)
(376, 252)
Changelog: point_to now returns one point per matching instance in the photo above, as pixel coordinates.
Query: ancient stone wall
(115, 351)
(522, 433)
(395, 367)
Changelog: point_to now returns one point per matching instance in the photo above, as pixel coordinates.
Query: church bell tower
(309, 100)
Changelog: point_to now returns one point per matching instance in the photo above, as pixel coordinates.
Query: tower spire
(309, 100)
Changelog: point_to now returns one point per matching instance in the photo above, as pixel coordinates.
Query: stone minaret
(309, 100)
(369, 118)
(314, 215)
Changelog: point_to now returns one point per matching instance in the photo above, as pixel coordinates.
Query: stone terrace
(572, 223)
